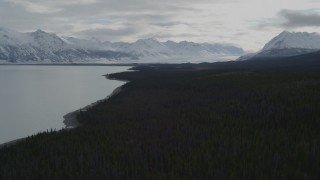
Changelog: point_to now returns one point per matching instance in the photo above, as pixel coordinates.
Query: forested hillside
(185, 123)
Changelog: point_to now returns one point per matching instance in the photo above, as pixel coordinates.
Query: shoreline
(70, 119)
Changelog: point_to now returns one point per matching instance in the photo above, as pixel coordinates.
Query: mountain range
(43, 47)
(287, 44)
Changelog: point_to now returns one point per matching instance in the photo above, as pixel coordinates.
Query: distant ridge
(43, 47)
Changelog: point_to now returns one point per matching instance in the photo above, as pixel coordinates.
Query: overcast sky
(246, 23)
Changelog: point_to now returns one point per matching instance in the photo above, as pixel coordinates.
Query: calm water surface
(35, 98)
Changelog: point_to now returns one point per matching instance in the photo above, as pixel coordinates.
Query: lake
(35, 98)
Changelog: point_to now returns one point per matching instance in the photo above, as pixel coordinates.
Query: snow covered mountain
(153, 50)
(203, 49)
(288, 44)
(145, 48)
(294, 40)
(43, 47)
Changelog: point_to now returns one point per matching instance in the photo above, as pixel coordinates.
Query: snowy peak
(148, 47)
(48, 41)
(294, 40)
(148, 41)
(39, 31)
(39, 34)
(288, 44)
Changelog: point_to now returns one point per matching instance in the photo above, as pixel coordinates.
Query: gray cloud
(240, 34)
(167, 36)
(292, 19)
(107, 34)
(170, 23)
(295, 19)
(92, 9)
(23, 15)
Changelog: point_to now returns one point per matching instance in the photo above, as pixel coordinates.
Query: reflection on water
(35, 98)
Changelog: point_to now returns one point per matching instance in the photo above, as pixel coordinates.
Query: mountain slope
(147, 48)
(294, 40)
(39, 47)
(288, 44)
(203, 49)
